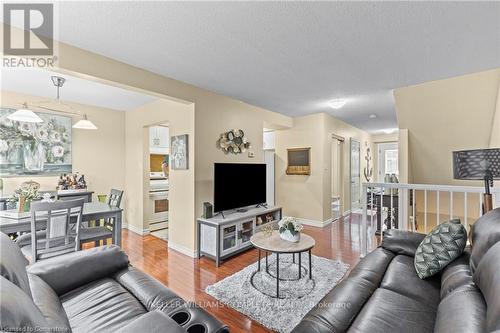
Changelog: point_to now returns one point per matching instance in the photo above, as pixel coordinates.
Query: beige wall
(443, 116)
(180, 118)
(309, 197)
(213, 114)
(301, 196)
(98, 154)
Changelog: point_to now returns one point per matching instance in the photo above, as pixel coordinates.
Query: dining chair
(102, 233)
(57, 236)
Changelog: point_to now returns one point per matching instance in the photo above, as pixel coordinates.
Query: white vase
(287, 235)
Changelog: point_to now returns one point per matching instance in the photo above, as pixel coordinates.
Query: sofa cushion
(151, 293)
(462, 310)
(485, 233)
(401, 278)
(18, 313)
(388, 311)
(69, 271)
(456, 274)
(487, 278)
(49, 304)
(337, 310)
(402, 242)
(101, 306)
(441, 246)
(13, 263)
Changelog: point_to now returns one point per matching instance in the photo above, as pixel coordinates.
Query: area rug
(298, 297)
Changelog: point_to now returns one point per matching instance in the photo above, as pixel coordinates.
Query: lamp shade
(84, 124)
(476, 164)
(25, 115)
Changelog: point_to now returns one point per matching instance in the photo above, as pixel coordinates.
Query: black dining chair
(102, 233)
(51, 231)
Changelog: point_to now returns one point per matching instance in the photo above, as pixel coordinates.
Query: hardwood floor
(189, 277)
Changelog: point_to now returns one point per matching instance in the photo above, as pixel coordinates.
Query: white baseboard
(136, 230)
(182, 249)
(313, 223)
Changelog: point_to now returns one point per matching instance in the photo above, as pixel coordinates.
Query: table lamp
(478, 164)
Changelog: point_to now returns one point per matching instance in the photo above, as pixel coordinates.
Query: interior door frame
(353, 207)
(340, 142)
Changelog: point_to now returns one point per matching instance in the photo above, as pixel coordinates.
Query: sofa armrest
(402, 242)
(151, 293)
(152, 322)
(69, 271)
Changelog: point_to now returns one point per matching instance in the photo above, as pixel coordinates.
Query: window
(391, 162)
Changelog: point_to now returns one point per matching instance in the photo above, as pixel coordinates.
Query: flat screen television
(238, 185)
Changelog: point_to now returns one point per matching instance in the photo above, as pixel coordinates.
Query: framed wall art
(42, 149)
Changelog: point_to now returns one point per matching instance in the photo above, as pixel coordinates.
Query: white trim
(313, 223)
(136, 230)
(182, 249)
(347, 212)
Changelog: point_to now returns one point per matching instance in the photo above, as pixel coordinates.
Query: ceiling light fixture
(373, 116)
(25, 115)
(389, 130)
(337, 103)
(85, 124)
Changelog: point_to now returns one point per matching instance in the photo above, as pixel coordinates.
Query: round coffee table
(272, 243)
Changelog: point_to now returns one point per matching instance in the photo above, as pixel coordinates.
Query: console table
(221, 237)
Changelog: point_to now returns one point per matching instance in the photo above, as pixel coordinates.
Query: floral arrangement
(290, 224)
(28, 191)
(233, 141)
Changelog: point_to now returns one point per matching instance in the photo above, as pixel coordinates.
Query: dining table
(92, 211)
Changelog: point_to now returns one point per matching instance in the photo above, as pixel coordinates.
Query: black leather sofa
(384, 294)
(94, 290)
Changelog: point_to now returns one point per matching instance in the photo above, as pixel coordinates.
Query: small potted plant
(24, 195)
(290, 229)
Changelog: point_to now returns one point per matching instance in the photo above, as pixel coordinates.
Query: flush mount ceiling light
(25, 115)
(389, 130)
(337, 103)
(85, 124)
(373, 116)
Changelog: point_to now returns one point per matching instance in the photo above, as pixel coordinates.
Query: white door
(336, 175)
(387, 160)
(269, 160)
(355, 175)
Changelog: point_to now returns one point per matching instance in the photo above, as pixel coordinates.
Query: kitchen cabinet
(159, 139)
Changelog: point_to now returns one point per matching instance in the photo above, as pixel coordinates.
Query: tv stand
(221, 214)
(221, 237)
(242, 210)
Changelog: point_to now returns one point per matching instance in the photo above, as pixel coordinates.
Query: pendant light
(85, 124)
(25, 115)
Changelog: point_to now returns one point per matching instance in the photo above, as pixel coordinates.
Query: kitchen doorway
(159, 185)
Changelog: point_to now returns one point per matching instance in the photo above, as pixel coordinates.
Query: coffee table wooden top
(274, 243)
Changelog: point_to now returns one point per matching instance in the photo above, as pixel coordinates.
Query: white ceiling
(38, 82)
(293, 57)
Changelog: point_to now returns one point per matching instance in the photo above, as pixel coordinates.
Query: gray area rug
(298, 296)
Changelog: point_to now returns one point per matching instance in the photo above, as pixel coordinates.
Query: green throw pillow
(441, 246)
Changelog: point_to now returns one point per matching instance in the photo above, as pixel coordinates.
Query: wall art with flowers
(35, 148)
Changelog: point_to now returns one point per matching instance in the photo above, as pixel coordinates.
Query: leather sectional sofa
(384, 294)
(94, 290)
